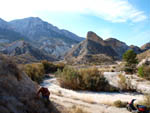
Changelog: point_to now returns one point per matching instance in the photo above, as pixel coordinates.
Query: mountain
(146, 46)
(118, 46)
(4, 24)
(7, 34)
(92, 49)
(95, 49)
(45, 36)
(22, 48)
(136, 49)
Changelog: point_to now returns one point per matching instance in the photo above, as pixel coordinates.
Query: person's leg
(46, 99)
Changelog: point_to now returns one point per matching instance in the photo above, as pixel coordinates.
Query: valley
(88, 73)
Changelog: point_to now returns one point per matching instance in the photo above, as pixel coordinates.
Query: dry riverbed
(93, 102)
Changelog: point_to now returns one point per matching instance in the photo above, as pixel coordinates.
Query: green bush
(35, 71)
(130, 58)
(84, 79)
(50, 67)
(130, 69)
(144, 72)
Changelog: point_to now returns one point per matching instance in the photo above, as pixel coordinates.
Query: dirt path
(89, 107)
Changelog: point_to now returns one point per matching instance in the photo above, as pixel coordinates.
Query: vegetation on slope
(83, 79)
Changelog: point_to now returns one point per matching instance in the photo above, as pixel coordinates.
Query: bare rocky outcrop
(18, 91)
(146, 46)
(94, 48)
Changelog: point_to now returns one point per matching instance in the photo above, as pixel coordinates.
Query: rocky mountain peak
(4, 24)
(93, 36)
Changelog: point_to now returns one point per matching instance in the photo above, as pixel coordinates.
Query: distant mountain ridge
(38, 33)
(58, 43)
(35, 28)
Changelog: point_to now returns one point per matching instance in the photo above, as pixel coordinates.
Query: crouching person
(45, 94)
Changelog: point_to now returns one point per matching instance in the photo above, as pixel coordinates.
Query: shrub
(9, 67)
(130, 58)
(50, 67)
(144, 71)
(35, 71)
(130, 69)
(84, 79)
(120, 104)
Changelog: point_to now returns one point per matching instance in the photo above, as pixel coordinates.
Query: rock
(94, 48)
(146, 46)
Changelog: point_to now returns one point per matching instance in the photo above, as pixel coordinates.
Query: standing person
(45, 94)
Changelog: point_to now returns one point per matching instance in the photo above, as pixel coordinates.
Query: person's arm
(38, 92)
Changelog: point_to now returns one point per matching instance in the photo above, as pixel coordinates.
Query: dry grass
(120, 104)
(146, 100)
(76, 109)
(35, 71)
(9, 67)
(125, 84)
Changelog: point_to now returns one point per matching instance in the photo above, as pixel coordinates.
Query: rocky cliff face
(118, 46)
(18, 91)
(92, 48)
(110, 48)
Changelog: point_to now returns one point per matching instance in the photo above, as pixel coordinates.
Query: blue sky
(126, 20)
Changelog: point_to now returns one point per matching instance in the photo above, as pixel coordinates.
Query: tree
(130, 58)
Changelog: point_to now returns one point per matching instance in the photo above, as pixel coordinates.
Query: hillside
(145, 46)
(144, 55)
(18, 92)
(22, 48)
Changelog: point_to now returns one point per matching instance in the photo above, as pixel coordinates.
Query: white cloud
(111, 10)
